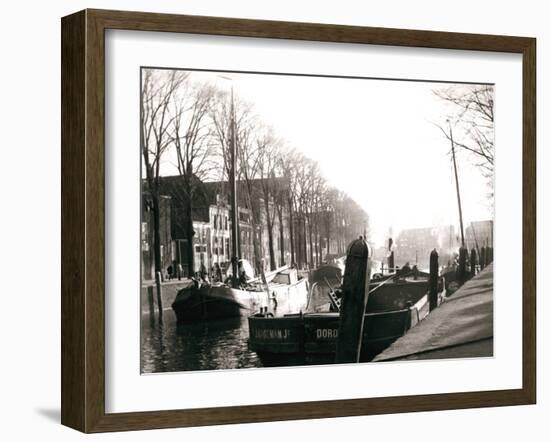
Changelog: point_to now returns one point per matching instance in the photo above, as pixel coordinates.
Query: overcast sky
(374, 139)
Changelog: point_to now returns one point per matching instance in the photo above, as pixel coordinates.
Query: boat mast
(457, 185)
(234, 207)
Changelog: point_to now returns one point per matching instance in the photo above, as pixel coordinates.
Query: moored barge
(282, 292)
(395, 305)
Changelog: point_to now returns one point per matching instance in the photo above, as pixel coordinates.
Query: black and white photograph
(259, 189)
(295, 220)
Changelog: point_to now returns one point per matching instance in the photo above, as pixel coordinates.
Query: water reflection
(209, 345)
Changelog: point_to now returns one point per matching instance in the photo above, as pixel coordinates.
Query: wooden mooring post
(462, 258)
(391, 263)
(354, 301)
(433, 281)
(473, 263)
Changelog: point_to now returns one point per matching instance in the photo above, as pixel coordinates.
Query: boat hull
(218, 302)
(312, 338)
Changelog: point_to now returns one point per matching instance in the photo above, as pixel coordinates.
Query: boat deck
(461, 327)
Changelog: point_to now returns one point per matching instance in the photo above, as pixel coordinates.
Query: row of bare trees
(191, 124)
(319, 214)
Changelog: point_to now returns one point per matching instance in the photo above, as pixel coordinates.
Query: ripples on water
(208, 345)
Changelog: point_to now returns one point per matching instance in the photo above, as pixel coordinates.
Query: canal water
(207, 345)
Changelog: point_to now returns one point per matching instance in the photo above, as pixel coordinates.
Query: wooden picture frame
(83, 220)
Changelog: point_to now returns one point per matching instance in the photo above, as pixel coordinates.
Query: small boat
(396, 303)
(282, 292)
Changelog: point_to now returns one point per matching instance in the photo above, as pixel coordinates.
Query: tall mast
(234, 207)
(457, 186)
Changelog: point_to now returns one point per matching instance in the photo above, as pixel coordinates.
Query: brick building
(211, 218)
(147, 235)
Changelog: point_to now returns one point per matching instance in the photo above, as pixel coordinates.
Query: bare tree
(190, 136)
(288, 163)
(282, 188)
(157, 91)
(300, 199)
(221, 115)
(319, 196)
(330, 198)
(314, 190)
(249, 162)
(471, 118)
(281, 199)
(247, 155)
(268, 154)
(312, 175)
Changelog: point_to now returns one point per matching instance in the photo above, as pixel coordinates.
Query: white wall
(30, 240)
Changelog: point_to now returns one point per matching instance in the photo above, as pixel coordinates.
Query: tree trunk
(317, 241)
(156, 233)
(281, 235)
(256, 240)
(291, 232)
(346, 242)
(317, 248)
(304, 238)
(255, 222)
(328, 233)
(189, 234)
(270, 235)
(310, 232)
(338, 246)
(298, 236)
(261, 248)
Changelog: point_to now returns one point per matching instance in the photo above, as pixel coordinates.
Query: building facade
(316, 235)
(147, 235)
(479, 234)
(414, 246)
(211, 221)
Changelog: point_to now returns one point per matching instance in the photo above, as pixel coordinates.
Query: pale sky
(374, 139)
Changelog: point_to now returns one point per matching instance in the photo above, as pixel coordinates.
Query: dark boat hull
(312, 338)
(219, 302)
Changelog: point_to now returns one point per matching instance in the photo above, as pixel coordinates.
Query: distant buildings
(414, 246)
(479, 234)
